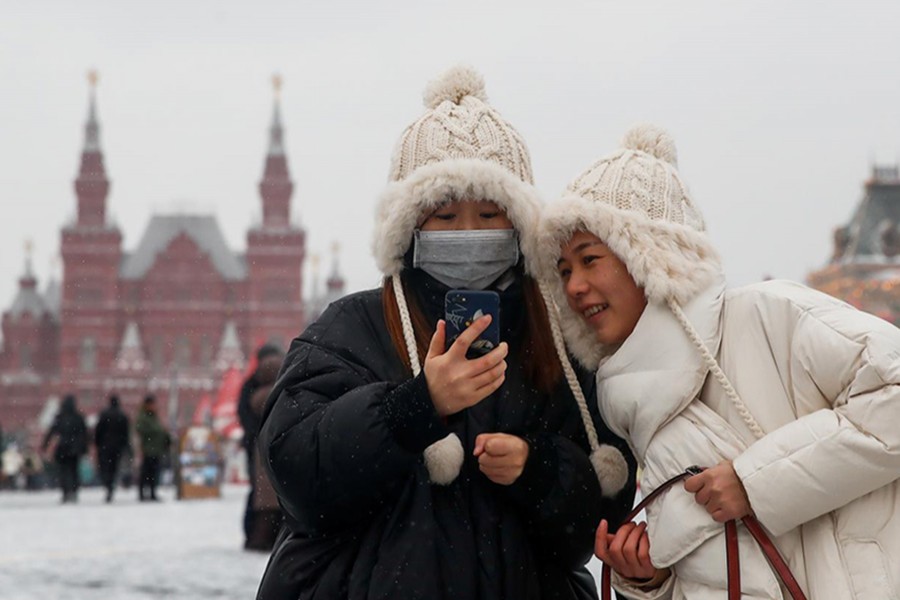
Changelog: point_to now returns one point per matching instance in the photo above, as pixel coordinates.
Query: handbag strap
(733, 558)
(689, 472)
(774, 557)
(731, 547)
(606, 574)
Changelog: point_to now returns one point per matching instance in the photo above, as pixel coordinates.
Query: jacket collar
(657, 371)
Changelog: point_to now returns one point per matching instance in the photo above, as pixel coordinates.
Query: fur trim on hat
(667, 260)
(404, 203)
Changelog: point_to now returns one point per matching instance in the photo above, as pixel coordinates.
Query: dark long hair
(537, 354)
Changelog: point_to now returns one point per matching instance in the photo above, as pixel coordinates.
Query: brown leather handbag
(731, 548)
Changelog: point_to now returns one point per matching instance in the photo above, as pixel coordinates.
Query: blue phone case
(464, 307)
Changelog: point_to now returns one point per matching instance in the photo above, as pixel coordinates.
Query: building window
(157, 353)
(25, 357)
(183, 351)
(206, 352)
(86, 294)
(88, 355)
(277, 294)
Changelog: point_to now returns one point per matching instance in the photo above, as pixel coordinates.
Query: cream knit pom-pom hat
(642, 178)
(635, 201)
(459, 149)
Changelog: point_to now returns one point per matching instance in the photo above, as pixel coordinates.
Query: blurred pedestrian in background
(250, 420)
(70, 433)
(32, 469)
(154, 440)
(265, 514)
(111, 439)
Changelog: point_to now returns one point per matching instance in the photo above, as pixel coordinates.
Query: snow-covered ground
(127, 550)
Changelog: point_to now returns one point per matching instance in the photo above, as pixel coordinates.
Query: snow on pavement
(126, 550)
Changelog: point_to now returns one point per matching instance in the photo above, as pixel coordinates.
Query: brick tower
(275, 249)
(91, 251)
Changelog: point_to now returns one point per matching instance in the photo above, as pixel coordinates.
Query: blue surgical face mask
(470, 259)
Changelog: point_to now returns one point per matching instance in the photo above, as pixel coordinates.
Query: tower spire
(335, 282)
(92, 127)
(28, 299)
(276, 130)
(29, 247)
(28, 282)
(92, 186)
(276, 186)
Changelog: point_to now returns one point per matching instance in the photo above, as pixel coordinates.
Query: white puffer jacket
(821, 379)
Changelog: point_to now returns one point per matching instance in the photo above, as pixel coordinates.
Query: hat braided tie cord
(716, 370)
(571, 378)
(443, 458)
(409, 334)
(608, 461)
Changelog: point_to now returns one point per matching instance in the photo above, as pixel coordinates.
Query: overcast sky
(777, 108)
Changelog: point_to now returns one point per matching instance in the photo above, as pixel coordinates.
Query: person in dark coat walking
(266, 514)
(406, 470)
(155, 442)
(111, 439)
(249, 419)
(70, 432)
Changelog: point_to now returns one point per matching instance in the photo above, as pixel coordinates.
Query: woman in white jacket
(790, 396)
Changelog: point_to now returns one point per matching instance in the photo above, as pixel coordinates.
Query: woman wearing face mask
(408, 471)
(789, 397)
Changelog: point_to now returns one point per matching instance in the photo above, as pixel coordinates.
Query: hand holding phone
(455, 382)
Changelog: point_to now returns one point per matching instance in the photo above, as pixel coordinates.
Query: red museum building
(169, 317)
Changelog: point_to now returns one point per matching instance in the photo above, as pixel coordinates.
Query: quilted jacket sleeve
(848, 363)
(335, 443)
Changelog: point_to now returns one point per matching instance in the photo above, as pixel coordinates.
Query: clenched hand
(720, 490)
(501, 456)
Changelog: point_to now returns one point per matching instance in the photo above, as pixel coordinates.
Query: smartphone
(464, 307)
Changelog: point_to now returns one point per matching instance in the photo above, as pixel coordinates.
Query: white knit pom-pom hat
(462, 149)
(635, 201)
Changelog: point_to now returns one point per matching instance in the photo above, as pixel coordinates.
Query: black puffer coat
(343, 435)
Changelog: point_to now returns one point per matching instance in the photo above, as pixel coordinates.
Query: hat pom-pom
(454, 85)
(653, 140)
(611, 469)
(444, 459)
